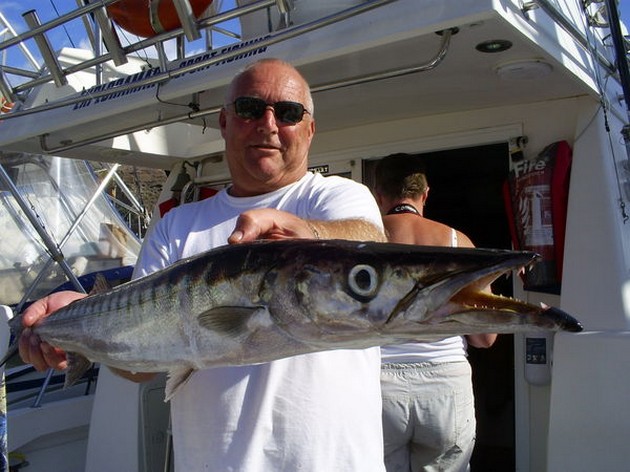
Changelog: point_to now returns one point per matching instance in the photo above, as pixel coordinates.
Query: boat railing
(27, 178)
(26, 387)
(99, 25)
(101, 29)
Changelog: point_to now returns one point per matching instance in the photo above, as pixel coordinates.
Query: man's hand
(268, 223)
(32, 349)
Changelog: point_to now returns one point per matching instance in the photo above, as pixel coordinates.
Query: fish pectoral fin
(175, 380)
(231, 320)
(77, 366)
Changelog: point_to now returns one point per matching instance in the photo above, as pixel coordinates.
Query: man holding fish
(315, 412)
(228, 320)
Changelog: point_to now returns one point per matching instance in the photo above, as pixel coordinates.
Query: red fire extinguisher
(536, 195)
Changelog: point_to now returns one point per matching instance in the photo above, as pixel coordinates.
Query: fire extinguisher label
(535, 211)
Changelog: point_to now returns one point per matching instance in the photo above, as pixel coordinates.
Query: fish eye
(363, 281)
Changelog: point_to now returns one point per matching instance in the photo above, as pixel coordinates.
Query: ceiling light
(528, 69)
(494, 45)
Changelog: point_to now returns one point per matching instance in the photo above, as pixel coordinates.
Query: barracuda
(257, 302)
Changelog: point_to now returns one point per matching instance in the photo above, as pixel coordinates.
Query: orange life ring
(5, 105)
(146, 18)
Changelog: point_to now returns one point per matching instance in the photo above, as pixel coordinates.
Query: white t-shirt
(317, 412)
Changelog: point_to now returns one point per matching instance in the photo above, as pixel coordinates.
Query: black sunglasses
(252, 108)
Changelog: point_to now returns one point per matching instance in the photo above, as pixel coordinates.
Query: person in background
(311, 413)
(428, 404)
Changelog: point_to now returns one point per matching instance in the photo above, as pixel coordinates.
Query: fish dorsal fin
(230, 320)
(175, 380)
(100, 285)
(77, 366)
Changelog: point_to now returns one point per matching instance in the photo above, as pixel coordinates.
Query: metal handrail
(273, 38)
(165, 76)
(560, 18)
(140, 45)
(209, 23)
(430, 64)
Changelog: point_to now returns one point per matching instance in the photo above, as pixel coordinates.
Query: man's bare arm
(276, 224)
(355, 229)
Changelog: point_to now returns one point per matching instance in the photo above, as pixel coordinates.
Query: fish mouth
(456, 293)
(463, 297)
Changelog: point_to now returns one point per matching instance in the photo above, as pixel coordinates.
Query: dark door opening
(466, 193)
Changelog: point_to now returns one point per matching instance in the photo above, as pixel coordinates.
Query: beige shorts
(428, 416)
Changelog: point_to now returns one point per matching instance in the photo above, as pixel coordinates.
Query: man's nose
(269, 118)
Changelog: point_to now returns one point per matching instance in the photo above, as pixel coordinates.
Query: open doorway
(466, 193)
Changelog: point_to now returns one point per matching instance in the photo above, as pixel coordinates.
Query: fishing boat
(519, 110)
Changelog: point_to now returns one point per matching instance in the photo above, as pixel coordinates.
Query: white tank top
(451, 349)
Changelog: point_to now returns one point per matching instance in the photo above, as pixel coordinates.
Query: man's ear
(222, 121)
